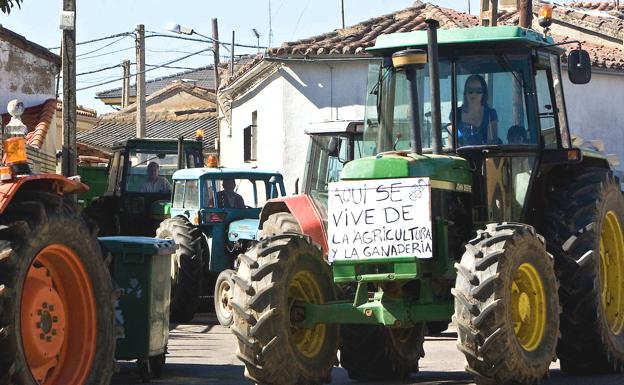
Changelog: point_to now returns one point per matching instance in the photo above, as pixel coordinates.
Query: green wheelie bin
(141, 268)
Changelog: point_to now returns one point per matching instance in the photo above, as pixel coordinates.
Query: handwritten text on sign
(379, 218)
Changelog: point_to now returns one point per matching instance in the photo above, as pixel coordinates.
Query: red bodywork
(53, 183)
(303, 208)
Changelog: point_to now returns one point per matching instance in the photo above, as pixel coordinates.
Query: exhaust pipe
(434, 84)
(181, 157)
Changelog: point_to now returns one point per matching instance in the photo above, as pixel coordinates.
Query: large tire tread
(261, 320)
(485, 335)
(576, 207)
(187, 285)
(32, 221)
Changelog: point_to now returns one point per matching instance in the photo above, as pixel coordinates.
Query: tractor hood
(243, 229)
(403, 165)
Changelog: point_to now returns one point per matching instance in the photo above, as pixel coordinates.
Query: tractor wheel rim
(58, 318)
(528, 307)
(304, 288)
(224, 294)
(612, 272)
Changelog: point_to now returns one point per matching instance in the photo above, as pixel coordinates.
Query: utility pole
(69, 156)
(215, 51)
(140, 81)
(232, 57)
(489, 13)
(526, 13)
(270, 26)
(125, 89)
(342, 12)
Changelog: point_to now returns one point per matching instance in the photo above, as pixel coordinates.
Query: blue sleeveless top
(468, 135)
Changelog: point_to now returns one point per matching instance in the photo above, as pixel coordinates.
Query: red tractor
(57, 324)
(332, 145)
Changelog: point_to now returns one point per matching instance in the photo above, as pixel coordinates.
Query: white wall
(298, 94)
(24, 76)
(595, 110)
(267, 99)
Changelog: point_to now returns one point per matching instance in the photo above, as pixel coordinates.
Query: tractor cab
(225, 204)
(140, 183)
(499, 115)
(332, 145)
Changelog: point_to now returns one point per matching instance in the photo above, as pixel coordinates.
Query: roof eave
(255, 74)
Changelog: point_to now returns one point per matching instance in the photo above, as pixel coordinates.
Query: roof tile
(38, 120)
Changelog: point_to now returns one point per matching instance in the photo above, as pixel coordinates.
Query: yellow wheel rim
(528, 307)
(304, 288)
(612, 272)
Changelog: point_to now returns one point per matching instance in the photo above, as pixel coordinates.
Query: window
(388, 118)
(138, 178)
(250, 139)
(191, 195)
(178, 193)
(545, 108)
(491, 105)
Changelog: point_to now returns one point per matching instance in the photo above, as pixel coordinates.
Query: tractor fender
(303, 208)
(53, 183)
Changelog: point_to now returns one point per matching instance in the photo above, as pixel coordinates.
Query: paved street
(203, 353)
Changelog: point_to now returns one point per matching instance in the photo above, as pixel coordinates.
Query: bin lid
(146, 245)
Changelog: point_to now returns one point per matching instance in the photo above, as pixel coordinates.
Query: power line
(147, 70)
(102, 47)
(100, 39)
(170, 67)
(106, 53)
(208, 40)
(98, 70)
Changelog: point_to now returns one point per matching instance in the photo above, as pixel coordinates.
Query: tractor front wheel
(273, 276)
(186, 266)
(223, 297)
(57, 323)
(506, 305)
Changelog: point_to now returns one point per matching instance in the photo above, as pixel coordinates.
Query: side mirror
(333, 148)
(579, 67)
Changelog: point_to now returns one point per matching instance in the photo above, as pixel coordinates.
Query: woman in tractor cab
(477, 122)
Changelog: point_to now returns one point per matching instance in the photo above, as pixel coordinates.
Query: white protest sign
(379, 218)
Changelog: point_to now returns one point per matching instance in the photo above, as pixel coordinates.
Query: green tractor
(130, 205)
(489, 218)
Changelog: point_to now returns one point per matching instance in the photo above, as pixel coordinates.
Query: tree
(6, 5)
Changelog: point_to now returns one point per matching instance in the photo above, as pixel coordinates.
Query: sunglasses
(477, 91)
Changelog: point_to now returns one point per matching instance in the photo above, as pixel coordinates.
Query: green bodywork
(447, 168)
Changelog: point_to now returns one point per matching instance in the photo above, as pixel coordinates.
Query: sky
(38, 21)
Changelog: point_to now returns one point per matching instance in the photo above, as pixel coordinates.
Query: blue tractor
(214, 216)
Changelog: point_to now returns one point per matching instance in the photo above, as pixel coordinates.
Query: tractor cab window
(241, 193)
(491, 104)
(150, 172)
(388, 116)
(327, 157)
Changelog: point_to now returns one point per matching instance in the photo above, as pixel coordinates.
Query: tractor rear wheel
(506, 305)
(280, 223)
(586, 225)
(57, 324)
(377, 353)
(186, 267)
(272, 276)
